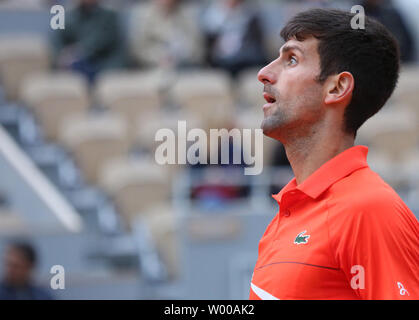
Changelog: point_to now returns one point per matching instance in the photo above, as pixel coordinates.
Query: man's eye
(292, 60)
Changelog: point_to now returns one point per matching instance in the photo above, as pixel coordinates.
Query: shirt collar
(330, 172)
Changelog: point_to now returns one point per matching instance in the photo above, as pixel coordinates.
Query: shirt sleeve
(376, 245)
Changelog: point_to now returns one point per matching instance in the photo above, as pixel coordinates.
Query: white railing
(31, 194)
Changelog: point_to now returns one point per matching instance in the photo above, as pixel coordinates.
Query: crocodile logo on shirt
(301, 238)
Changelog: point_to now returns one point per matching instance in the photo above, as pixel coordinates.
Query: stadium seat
(410, 167)
(55, 96)
(392, 132)
(132, 94)
(161, 222)
(93, 140)
(386, 168)
(391, 136)
(406, 91)
(21, 55)
(135, 185)
(148, 127)
(206, 95)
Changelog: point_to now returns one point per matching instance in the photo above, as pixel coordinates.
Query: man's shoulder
(365, 185)
(365, 192)
(374, 208)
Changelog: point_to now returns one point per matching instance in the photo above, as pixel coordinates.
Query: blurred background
(79, 108)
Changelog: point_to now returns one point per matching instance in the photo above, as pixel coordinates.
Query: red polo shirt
(341, 234)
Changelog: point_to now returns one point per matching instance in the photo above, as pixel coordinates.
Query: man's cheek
(289, 86)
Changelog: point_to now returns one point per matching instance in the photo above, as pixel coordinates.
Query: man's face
(294, 97)
(17, 268)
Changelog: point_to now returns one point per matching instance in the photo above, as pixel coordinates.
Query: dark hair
(27, 250)
(371, 55)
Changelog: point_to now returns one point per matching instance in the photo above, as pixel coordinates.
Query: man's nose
(267, 75)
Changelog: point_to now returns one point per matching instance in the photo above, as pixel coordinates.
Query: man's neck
(307, 154)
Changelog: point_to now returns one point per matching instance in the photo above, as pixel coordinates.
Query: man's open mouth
(269, 98)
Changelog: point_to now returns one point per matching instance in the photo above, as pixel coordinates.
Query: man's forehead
(304, 46)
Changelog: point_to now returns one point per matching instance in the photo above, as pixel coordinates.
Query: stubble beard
(283, 124)
(273, 123)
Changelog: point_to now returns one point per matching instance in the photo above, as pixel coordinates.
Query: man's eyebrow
(287, 48)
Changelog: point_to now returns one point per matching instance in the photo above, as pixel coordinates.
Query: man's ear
(339, 88)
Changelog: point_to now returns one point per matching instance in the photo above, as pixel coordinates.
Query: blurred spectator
(166, 35)
(216, 185)
(91, 41)
(19, 262)
(385, 12)
(235, 38)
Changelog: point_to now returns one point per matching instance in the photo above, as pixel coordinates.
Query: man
(341, 232)
(234, 35)
(20, 260)
(91, 42)
(165, 34)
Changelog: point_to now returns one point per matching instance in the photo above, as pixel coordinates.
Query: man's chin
(268, 129)
(272, 127)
